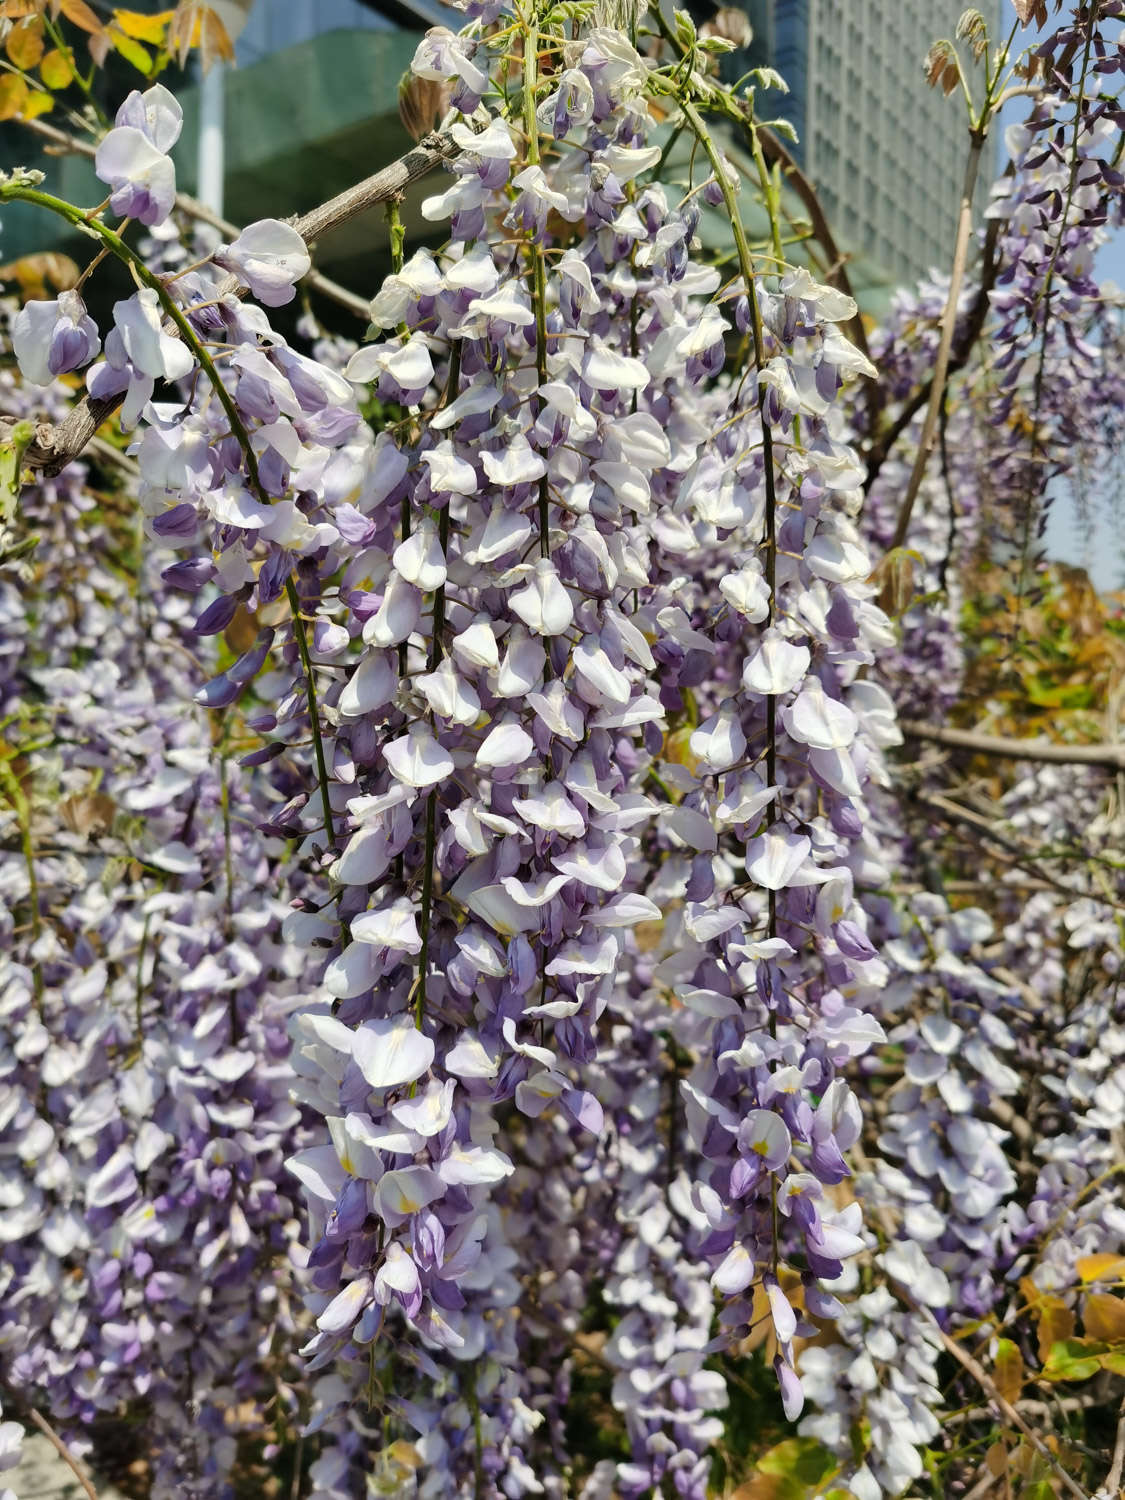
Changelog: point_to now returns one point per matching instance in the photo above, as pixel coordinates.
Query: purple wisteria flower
(133, 157)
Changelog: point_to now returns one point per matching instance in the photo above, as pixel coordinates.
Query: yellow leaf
(130, 50)
(1008, 1373)
(1055, 1323)
(143, 28)
(39, 275)
(37, 103)
(80, 15)
(25, 42)
(1104, 1267)
(56, 69)
(13, 96)
(1103, 1317)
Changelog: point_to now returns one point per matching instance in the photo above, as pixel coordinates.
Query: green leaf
(769, 78)
(685, 28)
(13, 446)
(803, 1459)
(716, 45)
(1074, 1359)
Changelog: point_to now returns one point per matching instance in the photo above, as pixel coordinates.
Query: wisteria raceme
(145, 1110)
(514, 1016)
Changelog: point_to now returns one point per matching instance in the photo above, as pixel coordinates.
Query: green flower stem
(746, 265)
(538, 269)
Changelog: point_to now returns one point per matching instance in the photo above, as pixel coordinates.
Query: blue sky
(1095, 543)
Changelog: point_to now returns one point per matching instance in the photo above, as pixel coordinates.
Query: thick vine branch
(57, 446)
(1111, 756)
(383, 186)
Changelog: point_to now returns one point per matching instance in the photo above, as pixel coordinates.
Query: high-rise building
(885, 150)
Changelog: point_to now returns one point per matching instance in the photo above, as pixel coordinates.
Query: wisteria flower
(133, 157)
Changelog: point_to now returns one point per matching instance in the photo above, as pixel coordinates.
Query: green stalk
(746, 265)
(538, 269)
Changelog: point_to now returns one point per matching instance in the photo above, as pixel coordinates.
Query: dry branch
(63, 1451)
(974, 1368)
(1111, 756)
(1113, 1479)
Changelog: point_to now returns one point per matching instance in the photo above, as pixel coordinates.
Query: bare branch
(384, 185)
(1111, 756)
(971, 331)
(196, 210)
(1113, 1478)
(974, 1368)
(57, 446)
(1028, 1408)
(977, 138)
(63, 1451)
(1020, 855)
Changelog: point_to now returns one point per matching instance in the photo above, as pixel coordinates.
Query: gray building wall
(886, 152)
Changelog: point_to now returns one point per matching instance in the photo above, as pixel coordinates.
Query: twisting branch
(1110, 756)
(56, 446)
(383, 186)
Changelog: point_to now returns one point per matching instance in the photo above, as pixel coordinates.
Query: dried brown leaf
(1031, 12)
(79, 14)
(88, 813)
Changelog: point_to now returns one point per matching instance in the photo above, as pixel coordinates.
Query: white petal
(391, 1052)
(777, 666)
(544, 605)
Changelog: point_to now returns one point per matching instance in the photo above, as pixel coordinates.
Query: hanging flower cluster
(524, 1000)
(145, 1114)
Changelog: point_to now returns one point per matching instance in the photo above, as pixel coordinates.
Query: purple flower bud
(181, 522)
(217, 616)
(190, 575)
(218, 693)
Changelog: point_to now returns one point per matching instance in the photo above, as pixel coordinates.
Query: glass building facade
(886, 151)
